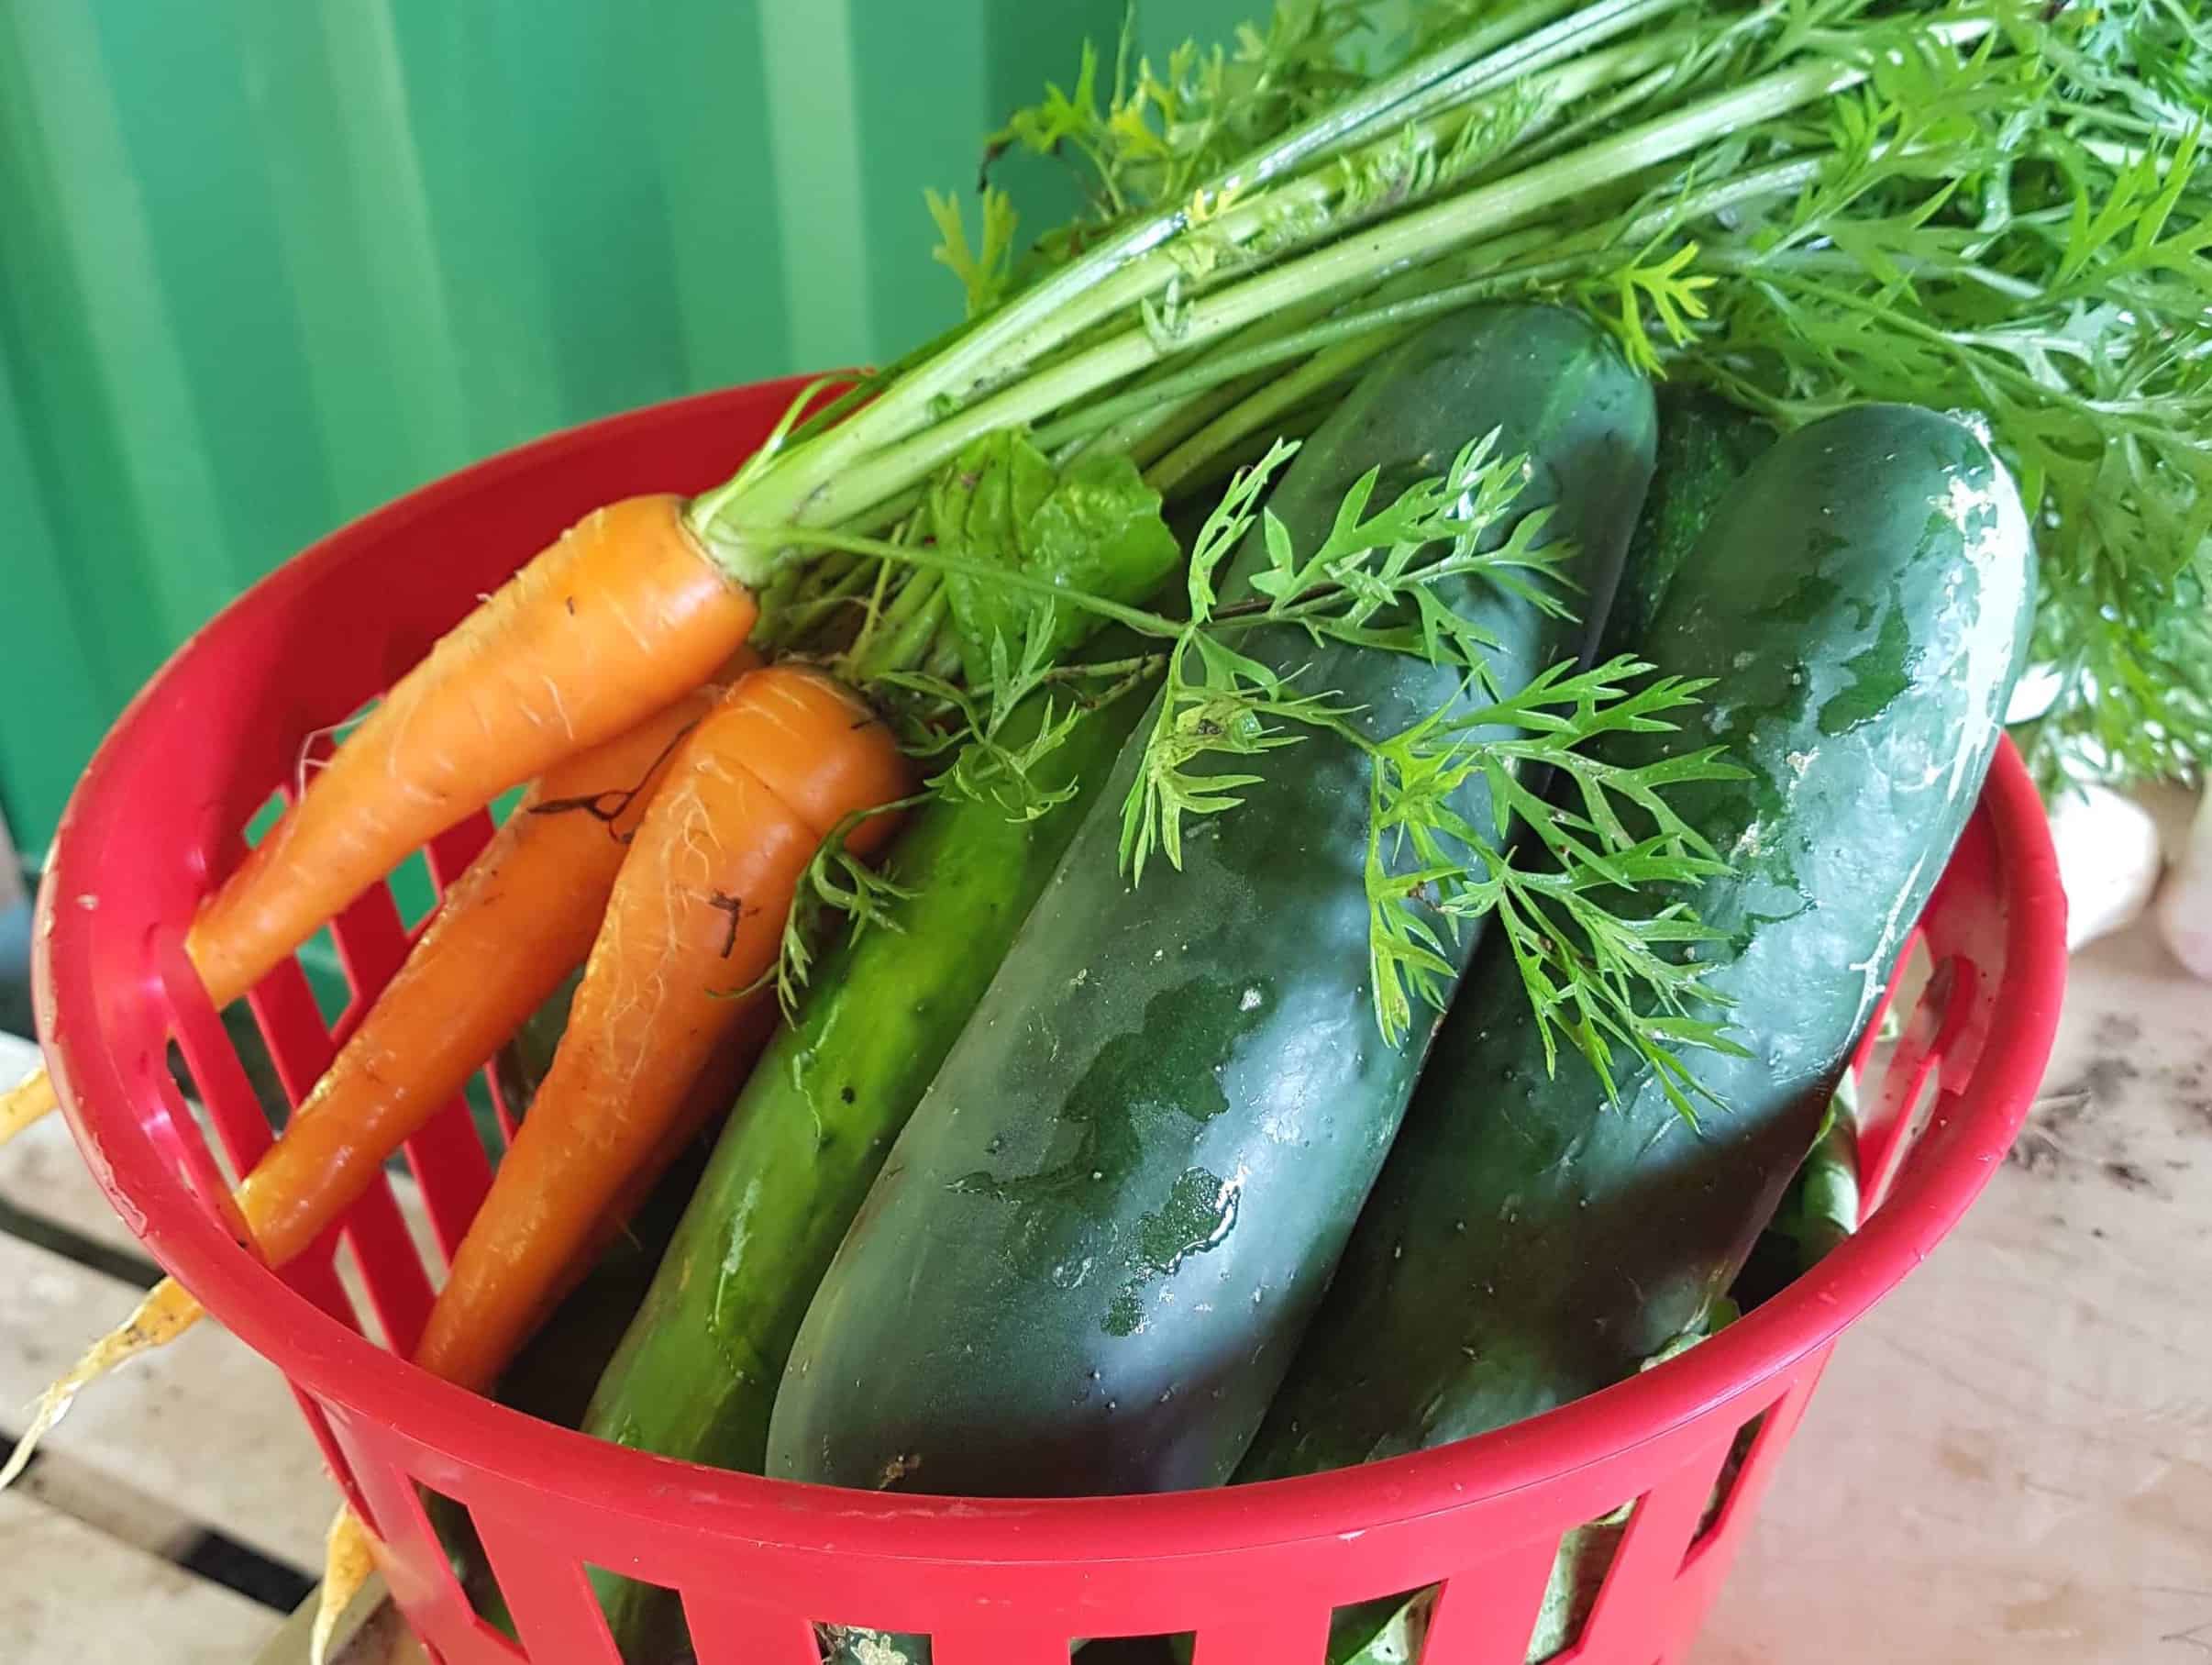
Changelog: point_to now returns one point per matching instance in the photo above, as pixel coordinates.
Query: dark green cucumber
(521, 1063)
(1705, 446)
(697, 1371)
(1822, 1210)
(1819, 1211)
(1085, 1263)
(1862, 599)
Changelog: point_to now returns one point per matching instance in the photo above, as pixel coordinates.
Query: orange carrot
(349, 1548)
(519, 922)
(708, 1099)
(520, 919)
(620, 616)
(694, 924)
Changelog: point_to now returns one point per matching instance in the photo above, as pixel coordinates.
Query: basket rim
(111, 1109)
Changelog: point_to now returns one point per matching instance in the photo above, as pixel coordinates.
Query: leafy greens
(1995, 205)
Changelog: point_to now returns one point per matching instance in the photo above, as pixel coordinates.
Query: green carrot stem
(1003, 344)
(1175, 470)
(903, 630)
(1411, 240)
(931, 558)
(1277, 213)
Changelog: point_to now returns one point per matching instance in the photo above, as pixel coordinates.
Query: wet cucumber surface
(696, 1371)
(1862, 600)
(1705, 446)
(1087, 1259)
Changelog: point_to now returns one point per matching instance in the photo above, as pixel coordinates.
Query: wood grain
(72, 1593)
(2011, 1459)
(206, 1425)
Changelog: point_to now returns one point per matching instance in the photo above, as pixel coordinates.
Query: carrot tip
(166, 1313)
(26, 1103)
(348, 1561)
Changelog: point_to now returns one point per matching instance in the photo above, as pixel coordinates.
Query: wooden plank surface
(72, 1596)
(2011, 1459)
(130, 1485)
(202, 1436)
(369, 1632)
(42, 1175)
(205, 1424)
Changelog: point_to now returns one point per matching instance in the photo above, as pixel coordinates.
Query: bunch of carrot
(681, 790)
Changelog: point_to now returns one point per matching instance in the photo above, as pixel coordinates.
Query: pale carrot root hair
(26, 1103)
(348, 1558)
(166, 1312)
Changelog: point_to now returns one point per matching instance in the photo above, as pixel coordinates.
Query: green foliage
(1154, 135)
(1605, 967)
(1598, 978)
(1094, 525)
(2014, 220)
(985, 269)
(1998, 206)
(969, 723)
(836, 882)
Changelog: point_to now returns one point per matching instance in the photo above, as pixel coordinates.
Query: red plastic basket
(1254, 1571)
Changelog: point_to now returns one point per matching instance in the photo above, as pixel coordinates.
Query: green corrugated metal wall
(265, 263)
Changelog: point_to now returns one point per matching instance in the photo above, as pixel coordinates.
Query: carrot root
(25, 1102)
(532, 898)
(695, 919)
(166, 1313)
(624, 613)
(519, 920)
(348, 1560)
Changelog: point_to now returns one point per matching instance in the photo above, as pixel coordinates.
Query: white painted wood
(42, 1173)
(70, 1596)
(2011, 1460)
(204, 1425)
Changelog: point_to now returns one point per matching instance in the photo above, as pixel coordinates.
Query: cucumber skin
(1085, 1265)
(696, 1371)
(1864, 599)
(1825, 1197)
(1705, 446)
